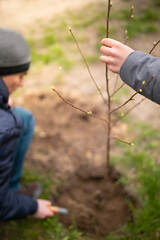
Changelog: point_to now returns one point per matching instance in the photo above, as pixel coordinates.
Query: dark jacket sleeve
(12, 205)
(139, 67)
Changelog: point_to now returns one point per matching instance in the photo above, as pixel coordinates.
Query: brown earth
(72, 144)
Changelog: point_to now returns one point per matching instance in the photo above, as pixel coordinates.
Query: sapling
(108, 143)
(108, 119)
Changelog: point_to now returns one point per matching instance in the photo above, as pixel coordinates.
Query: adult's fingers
(109, 42)
(105, 50)
(106, 59)
(103, 59)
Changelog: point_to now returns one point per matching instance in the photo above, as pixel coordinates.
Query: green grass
(52, 53)
(47, 229)
(48, 37)
(34, 229)
(141, 160)
(143, 23)
(53, 44)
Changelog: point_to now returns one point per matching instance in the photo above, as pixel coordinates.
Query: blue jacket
(12, 204)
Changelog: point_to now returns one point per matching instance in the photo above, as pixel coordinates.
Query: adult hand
(43, 211)
(114, 53)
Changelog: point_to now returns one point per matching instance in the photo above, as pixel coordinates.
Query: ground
(68, 143)
(72, 146)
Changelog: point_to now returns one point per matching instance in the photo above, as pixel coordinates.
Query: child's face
(14, 81)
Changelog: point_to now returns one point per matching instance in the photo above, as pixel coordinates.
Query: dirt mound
(73, 145)
(96, 204)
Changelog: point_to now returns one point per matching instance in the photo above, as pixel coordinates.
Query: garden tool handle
(56, 209)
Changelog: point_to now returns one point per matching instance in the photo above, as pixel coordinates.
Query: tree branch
(127, 112)
(117, 89)
(120, 140)
(154, 45)
(89, 71)
(131, 98)
(78, 108)
(130, 18)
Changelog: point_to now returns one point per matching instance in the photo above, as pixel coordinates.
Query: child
(16, 131)
(134, 67)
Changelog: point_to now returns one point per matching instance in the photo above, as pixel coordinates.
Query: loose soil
(72, 144)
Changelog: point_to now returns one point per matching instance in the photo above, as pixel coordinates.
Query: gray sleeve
(139, 67)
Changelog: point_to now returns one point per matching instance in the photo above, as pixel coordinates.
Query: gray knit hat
(14, 53)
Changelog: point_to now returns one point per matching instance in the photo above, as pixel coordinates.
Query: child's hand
(43, 210)
(10, 102)
(114, 54)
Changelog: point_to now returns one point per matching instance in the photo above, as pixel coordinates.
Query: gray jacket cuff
(139, 67)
